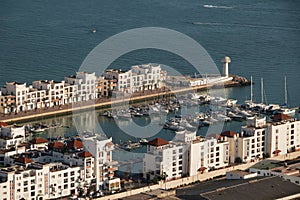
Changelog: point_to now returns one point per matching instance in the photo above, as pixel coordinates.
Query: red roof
(38, 140)
(280, 117)
(74, 144)
(56, 145)
(228, 133)
(23, 160)
(3, 124)
(158, 142)
(85, 154)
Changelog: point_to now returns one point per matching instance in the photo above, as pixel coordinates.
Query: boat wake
(245, 25)
(213, 6)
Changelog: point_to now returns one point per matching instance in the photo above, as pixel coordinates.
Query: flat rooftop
(265, 188)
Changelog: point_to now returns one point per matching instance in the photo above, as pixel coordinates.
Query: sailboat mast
(262, 90)
(285, 92)
(251, 94)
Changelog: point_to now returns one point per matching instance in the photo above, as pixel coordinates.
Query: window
(66, 174)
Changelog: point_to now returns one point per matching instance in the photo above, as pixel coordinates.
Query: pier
(26, 116)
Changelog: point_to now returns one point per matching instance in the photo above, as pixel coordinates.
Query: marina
(106, 103)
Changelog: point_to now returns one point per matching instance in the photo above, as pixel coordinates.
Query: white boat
(235, 116)
(284, 109)
(231, 102)
(194, 96)
(289, 111)
(218, 100)
(123, 115)
(38, 130)
(143, 141)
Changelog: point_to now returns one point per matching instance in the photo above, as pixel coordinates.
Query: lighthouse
(225, 62)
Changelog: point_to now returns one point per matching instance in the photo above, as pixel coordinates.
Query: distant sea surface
(50, 39)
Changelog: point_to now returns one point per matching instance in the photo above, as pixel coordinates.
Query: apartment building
(16, 97)
(12, 142)
(250, 143)
(164, 157)
(260, 138)
(138, 78)
(101, 149)
(208, 154)
(282, 135)
(38, 180)
(105, 87)
(54, 92)
(86, 85)
(7, 103)
(14, 91)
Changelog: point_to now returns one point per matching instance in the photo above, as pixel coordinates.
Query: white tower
(225, 62)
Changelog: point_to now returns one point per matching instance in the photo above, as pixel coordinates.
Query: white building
(86, 85)
(283, 135)
(259, 139)
(208, 154)
(138, 78)
(11, 136)
(39, 180)
(251, 143)
(54, 92)
(104, 166)
(163, 157)
(12, 142)
(17, 97)
(16, 90)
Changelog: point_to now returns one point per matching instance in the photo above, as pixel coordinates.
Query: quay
(102, 103)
